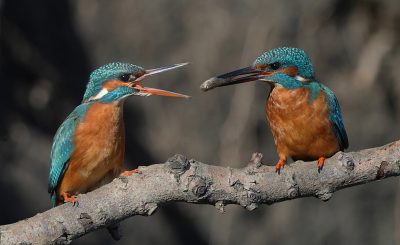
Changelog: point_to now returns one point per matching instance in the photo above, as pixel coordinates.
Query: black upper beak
(247, 74)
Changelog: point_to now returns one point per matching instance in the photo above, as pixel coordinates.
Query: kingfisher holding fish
(304, 115)
(89, 146)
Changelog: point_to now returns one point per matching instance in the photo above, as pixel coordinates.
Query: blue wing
(63, 146)
(336, 118)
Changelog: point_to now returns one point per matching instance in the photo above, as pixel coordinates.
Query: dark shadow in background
(37, 42)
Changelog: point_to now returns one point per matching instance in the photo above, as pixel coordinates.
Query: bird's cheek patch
(291, 71)
(139, 74)
(261, 67)
(112, 84)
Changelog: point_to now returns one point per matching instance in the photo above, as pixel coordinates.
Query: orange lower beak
(149, 91)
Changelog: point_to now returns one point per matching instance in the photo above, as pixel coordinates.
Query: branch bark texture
(182, 180)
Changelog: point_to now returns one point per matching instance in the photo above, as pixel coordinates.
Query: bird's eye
(125, 77)
(275, 66)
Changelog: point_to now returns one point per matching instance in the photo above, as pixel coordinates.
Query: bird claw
(127, 173)
(321, 161)
(70, 199)
(281, 164)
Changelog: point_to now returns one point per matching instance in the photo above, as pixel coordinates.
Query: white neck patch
(301, 79)
(99, 95)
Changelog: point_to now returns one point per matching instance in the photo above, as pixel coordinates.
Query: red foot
(280, 165)
(127, 173)
(70, 199)
(321, 161)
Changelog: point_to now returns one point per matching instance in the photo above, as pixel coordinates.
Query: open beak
(149, 91)
(244, 75)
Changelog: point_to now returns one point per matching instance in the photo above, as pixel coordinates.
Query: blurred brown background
(49, 48)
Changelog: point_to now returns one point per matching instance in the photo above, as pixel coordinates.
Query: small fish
(214, 82)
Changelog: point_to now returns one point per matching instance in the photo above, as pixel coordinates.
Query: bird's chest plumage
(301, 127)
(99, 148)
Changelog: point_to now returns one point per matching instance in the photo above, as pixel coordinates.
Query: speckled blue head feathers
(288, 57)
(108, 72)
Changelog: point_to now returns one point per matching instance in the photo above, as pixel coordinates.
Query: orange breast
(302, 130)
(99, 150)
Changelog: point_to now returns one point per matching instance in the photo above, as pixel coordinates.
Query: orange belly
(99, 151)
(301, 130)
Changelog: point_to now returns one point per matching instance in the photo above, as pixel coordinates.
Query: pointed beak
(244, 75)
(145, 91)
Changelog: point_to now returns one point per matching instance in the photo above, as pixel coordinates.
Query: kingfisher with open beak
(88, 148)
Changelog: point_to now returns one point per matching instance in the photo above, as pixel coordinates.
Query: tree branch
(191, 181)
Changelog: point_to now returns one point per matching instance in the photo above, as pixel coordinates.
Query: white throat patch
(301, 79)
(99, 95)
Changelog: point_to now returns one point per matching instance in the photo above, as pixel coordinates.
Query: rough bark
(191, 181)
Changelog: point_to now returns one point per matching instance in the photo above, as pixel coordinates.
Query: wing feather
(63, 146)
(336, 119)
